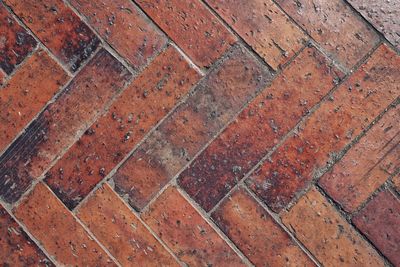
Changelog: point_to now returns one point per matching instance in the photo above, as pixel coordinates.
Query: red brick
(396, 181)
(57, 126)
(264, 26)
(258, 128)
(327, 235)
(380, 221)
(192, 27)
(256, 234)
(17, 249)
(336, 28)
(26, 93)
(59, 28)
(121, 232)
(350, 109)
(150, 97)
(125, 28)
(215, 101)
(15, 42)
(54, 226)
(188, 235)
(367, 165)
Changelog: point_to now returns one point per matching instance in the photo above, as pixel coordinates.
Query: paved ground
(199, 133)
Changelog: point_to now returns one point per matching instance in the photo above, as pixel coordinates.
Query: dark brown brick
(264, 26)
(258, 128)
(59, 28)
(16, 248)
(256, 234)
(186, 233)
(344, 35)
(350, 109)
(380, 221)
(125, 28)
(27, 92)
(57, 126)
(215, 101)
(192, 27)
(367, 165)
(15, 42)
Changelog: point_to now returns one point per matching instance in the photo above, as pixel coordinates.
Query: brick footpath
(199, 133)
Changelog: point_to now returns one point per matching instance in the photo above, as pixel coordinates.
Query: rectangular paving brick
(54, 226)
(58, 28)
(258, 128)
(350, 109)
(367, 165)
(380, 221)
(215, 101)
(344, 35)
(27, 92)
(264, 26)
(327, 235)
(57, 126)
(147, 100)
(186, 233)
(15, 43)
(16, 248)
(256, 234)
(192, 27)
(125, 28)
(121, 232)
(396, 182)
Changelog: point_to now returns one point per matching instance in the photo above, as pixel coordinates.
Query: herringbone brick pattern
(199, 133)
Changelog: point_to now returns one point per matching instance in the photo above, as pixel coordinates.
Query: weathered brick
(61, 235)
(367, 165)
(345, 36)
(396, 181)
(126, 29)
(192, 27)
(264, 26)
(350, 109)
(384, 15)
(121, 232)
(327, 235)
(256, 234)
(380, 221)
(148, 99)
(59, 28)
(57, 126)
(16, 248)
(215, 101)
(258, 128)
(26, 93)
(186, 233)
(15, 42)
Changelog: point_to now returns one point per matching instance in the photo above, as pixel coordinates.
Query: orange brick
(16, 42)
(60, 29)
(188, 235)
(256, 234)
(26, 93)
(121, 232)
(350, 109)
(215, 101)
(333, 24)
(126, 29)
(192, 27)
(57, 126)
(327, 235)
(264, 26)
(16, 248)
(367, 165)
(258, 128)
(58, 230)
(150, 97)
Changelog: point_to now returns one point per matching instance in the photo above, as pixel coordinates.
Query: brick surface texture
(200, 133)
